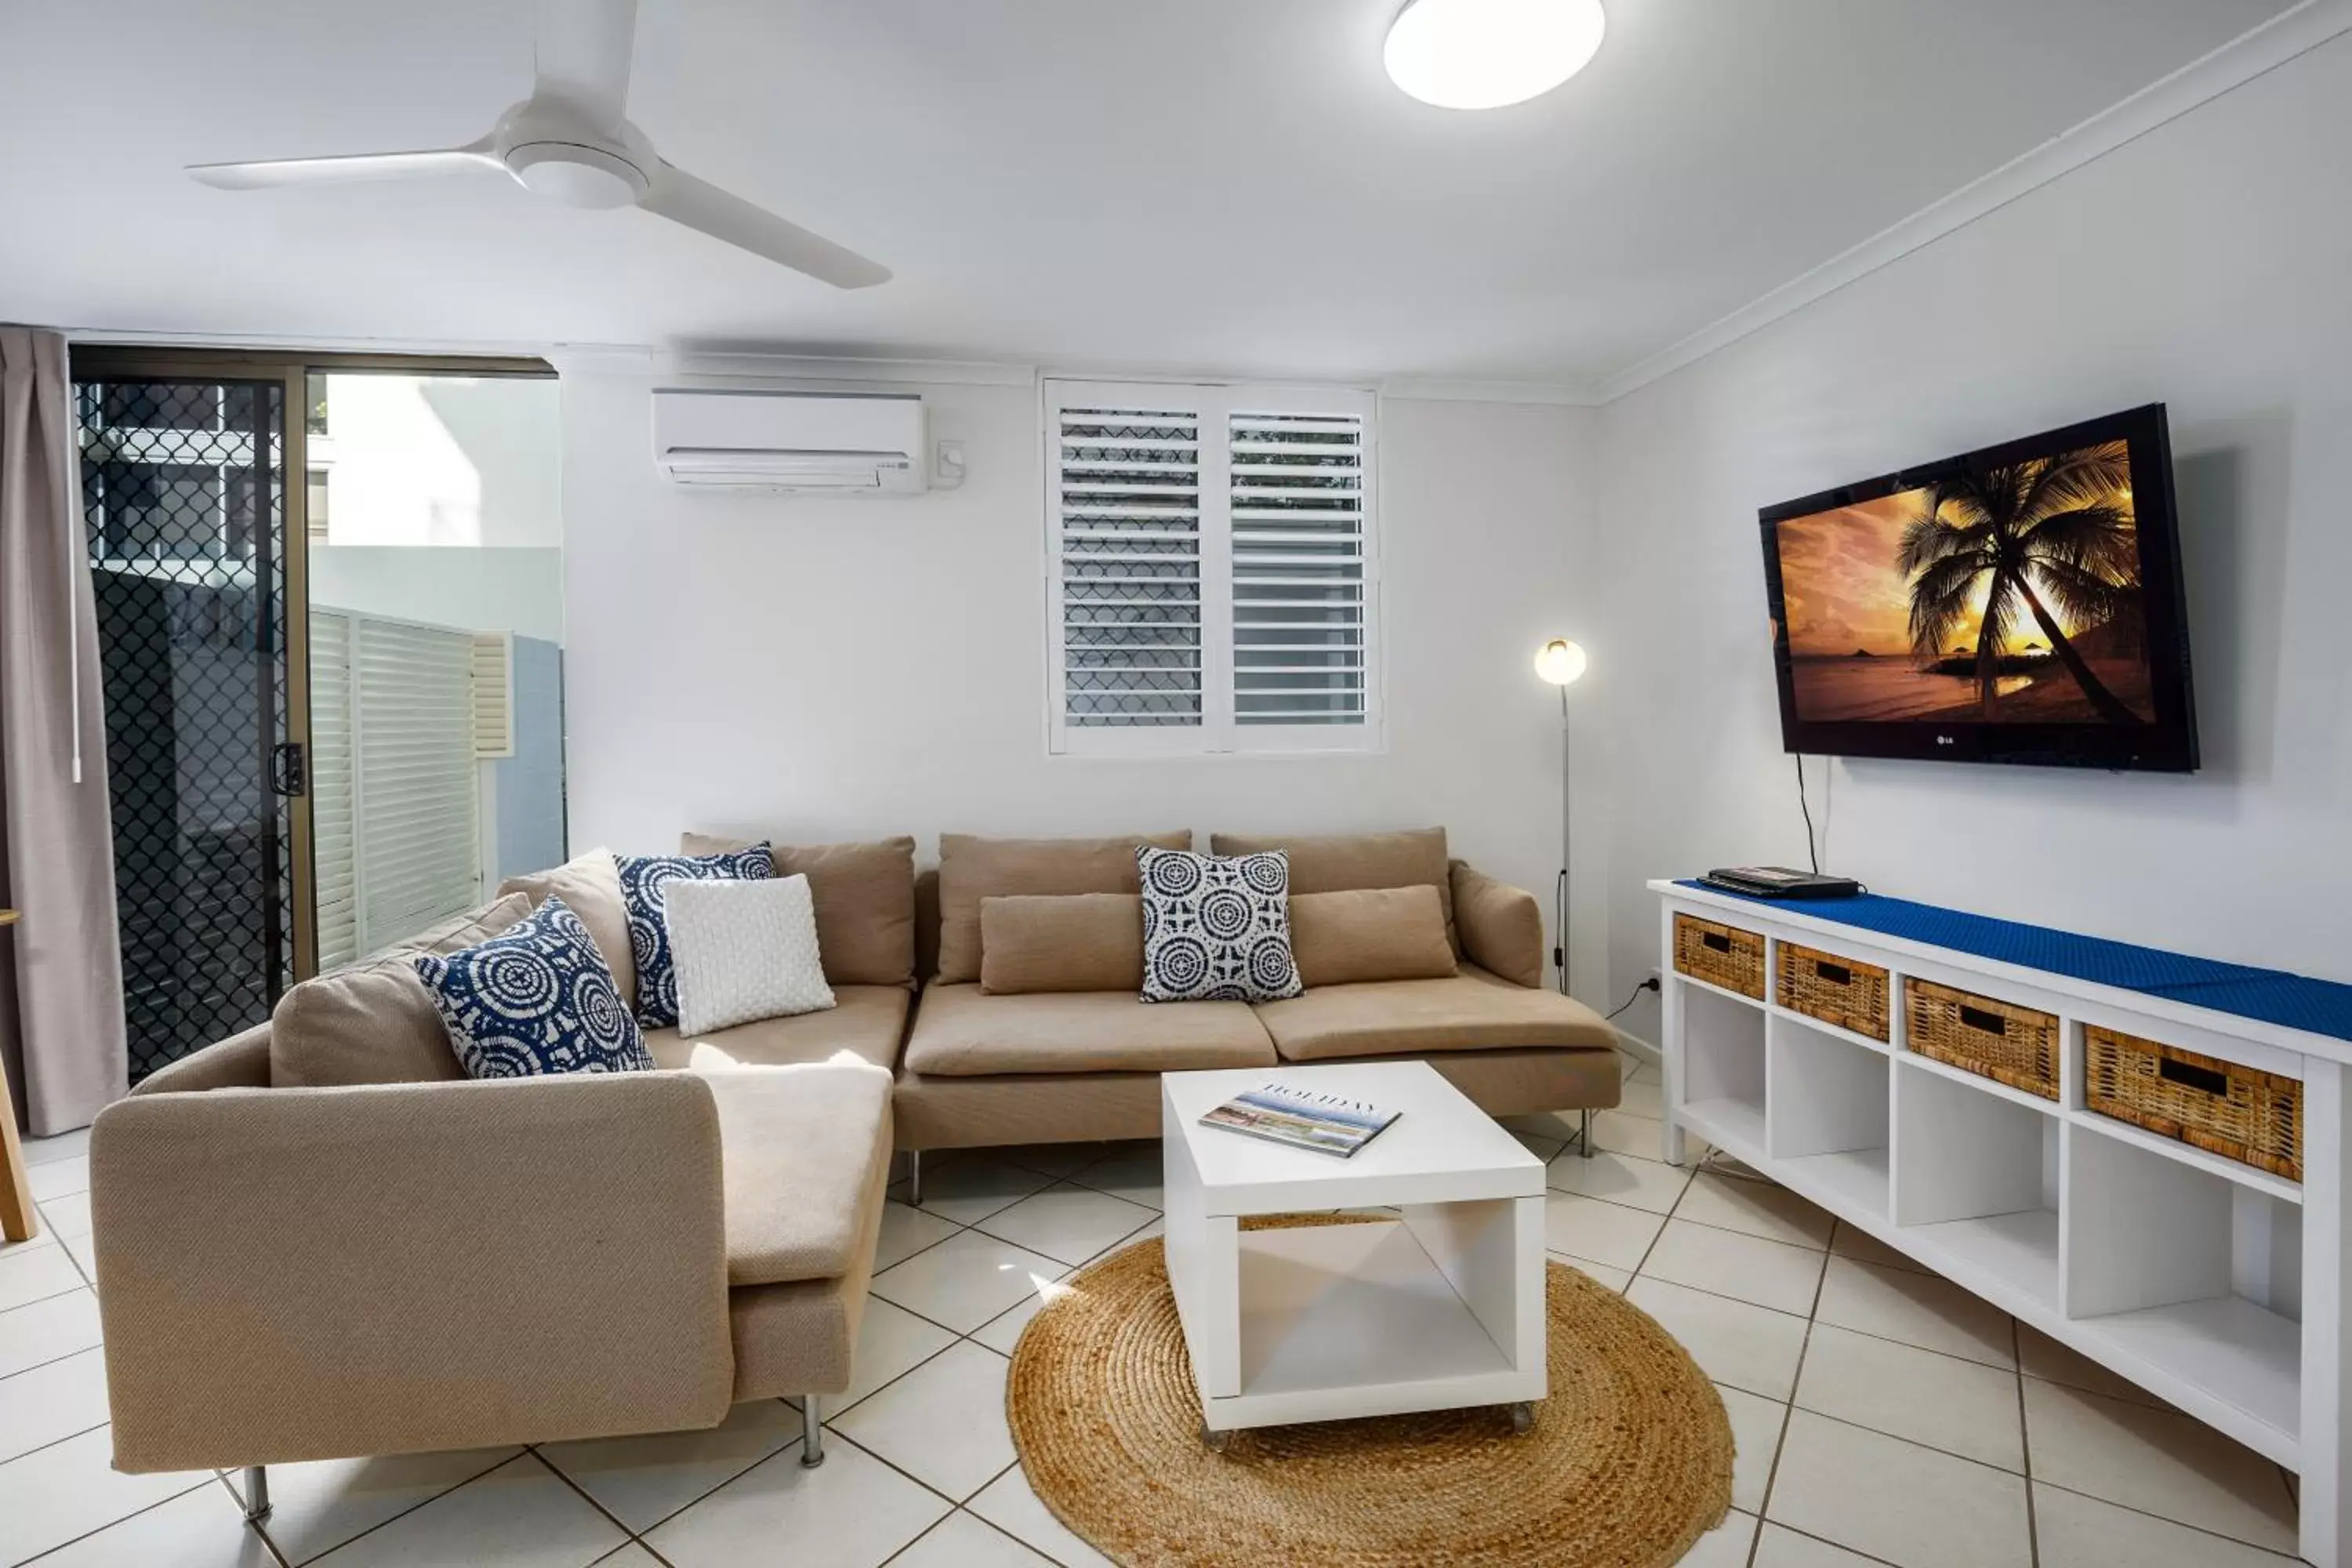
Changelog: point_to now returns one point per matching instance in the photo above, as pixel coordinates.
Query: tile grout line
(2025, 1449)
(285, 1556)
(69, 1436)
(210, 1479)
(629, 1536)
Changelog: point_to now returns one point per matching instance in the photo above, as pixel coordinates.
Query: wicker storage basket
(1834, 990)
(1999, 1040)
(2239, 1112)
(1720, 955)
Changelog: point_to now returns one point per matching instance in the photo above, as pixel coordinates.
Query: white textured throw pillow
(744, 950)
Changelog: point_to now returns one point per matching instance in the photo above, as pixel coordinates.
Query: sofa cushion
(1216, 928)
(590, 886)
(960, 1031)
(743, 952)
(643, 878)
(1369, 933)
(373, 1022)
(1471, 1012)
(865, 896)
(1061, 942)
(972, 869)
(1336, 862)
(865, 1024)
(1500, 926)
(536, 999)
(799, 1147)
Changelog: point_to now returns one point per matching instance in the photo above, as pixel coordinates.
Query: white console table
(2214, 1285)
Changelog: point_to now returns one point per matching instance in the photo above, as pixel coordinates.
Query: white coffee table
(1441, 1309)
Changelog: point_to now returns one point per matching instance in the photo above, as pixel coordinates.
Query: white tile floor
(1882, 1416)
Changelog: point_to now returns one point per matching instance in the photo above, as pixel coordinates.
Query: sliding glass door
(329, 598)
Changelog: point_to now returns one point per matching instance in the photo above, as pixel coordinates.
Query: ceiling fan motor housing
(555, 153)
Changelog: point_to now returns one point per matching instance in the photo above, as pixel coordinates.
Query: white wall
(441, 460)
(824, 669)
(519, 591)
(2207, 266)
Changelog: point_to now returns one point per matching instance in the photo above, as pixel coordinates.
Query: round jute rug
(1629, 1461)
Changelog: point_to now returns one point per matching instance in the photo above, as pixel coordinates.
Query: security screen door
(183, 477)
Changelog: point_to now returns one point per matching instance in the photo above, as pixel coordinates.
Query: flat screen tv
(2018, 604)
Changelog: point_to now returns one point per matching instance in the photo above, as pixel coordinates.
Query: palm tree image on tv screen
(2001, 593)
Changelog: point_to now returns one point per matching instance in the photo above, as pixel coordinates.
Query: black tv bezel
(2166, 745)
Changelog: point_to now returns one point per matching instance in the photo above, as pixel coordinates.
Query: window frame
(1219, 733)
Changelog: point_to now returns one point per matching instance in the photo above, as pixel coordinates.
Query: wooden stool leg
(18, 1220)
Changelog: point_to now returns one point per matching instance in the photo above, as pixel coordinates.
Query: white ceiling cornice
(2235, 64)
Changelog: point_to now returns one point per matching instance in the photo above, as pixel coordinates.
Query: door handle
(287, 775)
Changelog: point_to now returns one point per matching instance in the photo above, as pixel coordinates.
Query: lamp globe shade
(1560, 661)
(1485, 54)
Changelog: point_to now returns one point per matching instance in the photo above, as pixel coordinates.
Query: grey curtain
(61, 1029)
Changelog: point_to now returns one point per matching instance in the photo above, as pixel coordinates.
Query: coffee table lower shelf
(1330, 1323)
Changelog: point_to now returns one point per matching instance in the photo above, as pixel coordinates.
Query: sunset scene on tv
(2000, 595)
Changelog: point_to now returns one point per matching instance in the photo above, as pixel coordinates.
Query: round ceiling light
(1483, 54)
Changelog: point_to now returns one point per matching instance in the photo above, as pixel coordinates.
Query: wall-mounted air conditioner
(809, 442)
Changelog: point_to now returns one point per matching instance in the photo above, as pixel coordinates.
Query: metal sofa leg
(1584, 1133)
(812, 1432)
(915, 1177)
(256, 1493)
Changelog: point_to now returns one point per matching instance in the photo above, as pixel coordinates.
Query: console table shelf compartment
(2219, 1287)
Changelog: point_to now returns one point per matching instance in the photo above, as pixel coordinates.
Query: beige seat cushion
(590, 887)
(1061, 942)
(1369, 933)
(373, 1021)
(865, 1024)
(960, 1031)
(1471, 1012)
(864, 897)
(799, 1146)
(1333, 863)
(972, 869)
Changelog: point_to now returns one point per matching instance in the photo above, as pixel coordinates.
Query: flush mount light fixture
(1483, 54)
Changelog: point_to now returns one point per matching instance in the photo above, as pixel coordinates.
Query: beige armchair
(291, 1274)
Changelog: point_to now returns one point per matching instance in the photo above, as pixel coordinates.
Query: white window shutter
(493, 680)
(1300, 584)
(1126, 515)
(420, 800)
(334, 855)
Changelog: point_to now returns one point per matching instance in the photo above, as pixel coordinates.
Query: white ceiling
(1226, 185)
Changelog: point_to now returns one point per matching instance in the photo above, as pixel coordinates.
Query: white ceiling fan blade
(472, 157)
(699, 204)
(584, 56)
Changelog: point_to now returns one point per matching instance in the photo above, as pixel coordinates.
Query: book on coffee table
(1323, 1122)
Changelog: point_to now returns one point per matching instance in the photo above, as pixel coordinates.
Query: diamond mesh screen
(182, 495)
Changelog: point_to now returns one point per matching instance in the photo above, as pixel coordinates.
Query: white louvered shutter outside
(420, 800)
(395, 805)
(493, 677)
(1213, 569)
(334, 855)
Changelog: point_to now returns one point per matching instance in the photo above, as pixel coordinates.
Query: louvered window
(1214, 580)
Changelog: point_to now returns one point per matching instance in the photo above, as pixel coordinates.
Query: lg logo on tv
(1943, 739)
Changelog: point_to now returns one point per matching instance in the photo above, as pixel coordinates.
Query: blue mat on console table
(2272, 996)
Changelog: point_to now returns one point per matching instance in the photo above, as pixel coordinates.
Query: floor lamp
(1561, 663)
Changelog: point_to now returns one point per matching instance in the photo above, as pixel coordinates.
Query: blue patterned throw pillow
(536, 998)
(1216, 928)
(643, 877)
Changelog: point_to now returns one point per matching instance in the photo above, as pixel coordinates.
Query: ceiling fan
(568, 142)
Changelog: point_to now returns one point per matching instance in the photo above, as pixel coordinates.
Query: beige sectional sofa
(317, 1240)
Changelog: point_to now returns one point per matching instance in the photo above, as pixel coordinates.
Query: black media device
(1779, 883)
(2021, 603)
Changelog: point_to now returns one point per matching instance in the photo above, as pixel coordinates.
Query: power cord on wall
(1812, 852)
(1649, 984)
